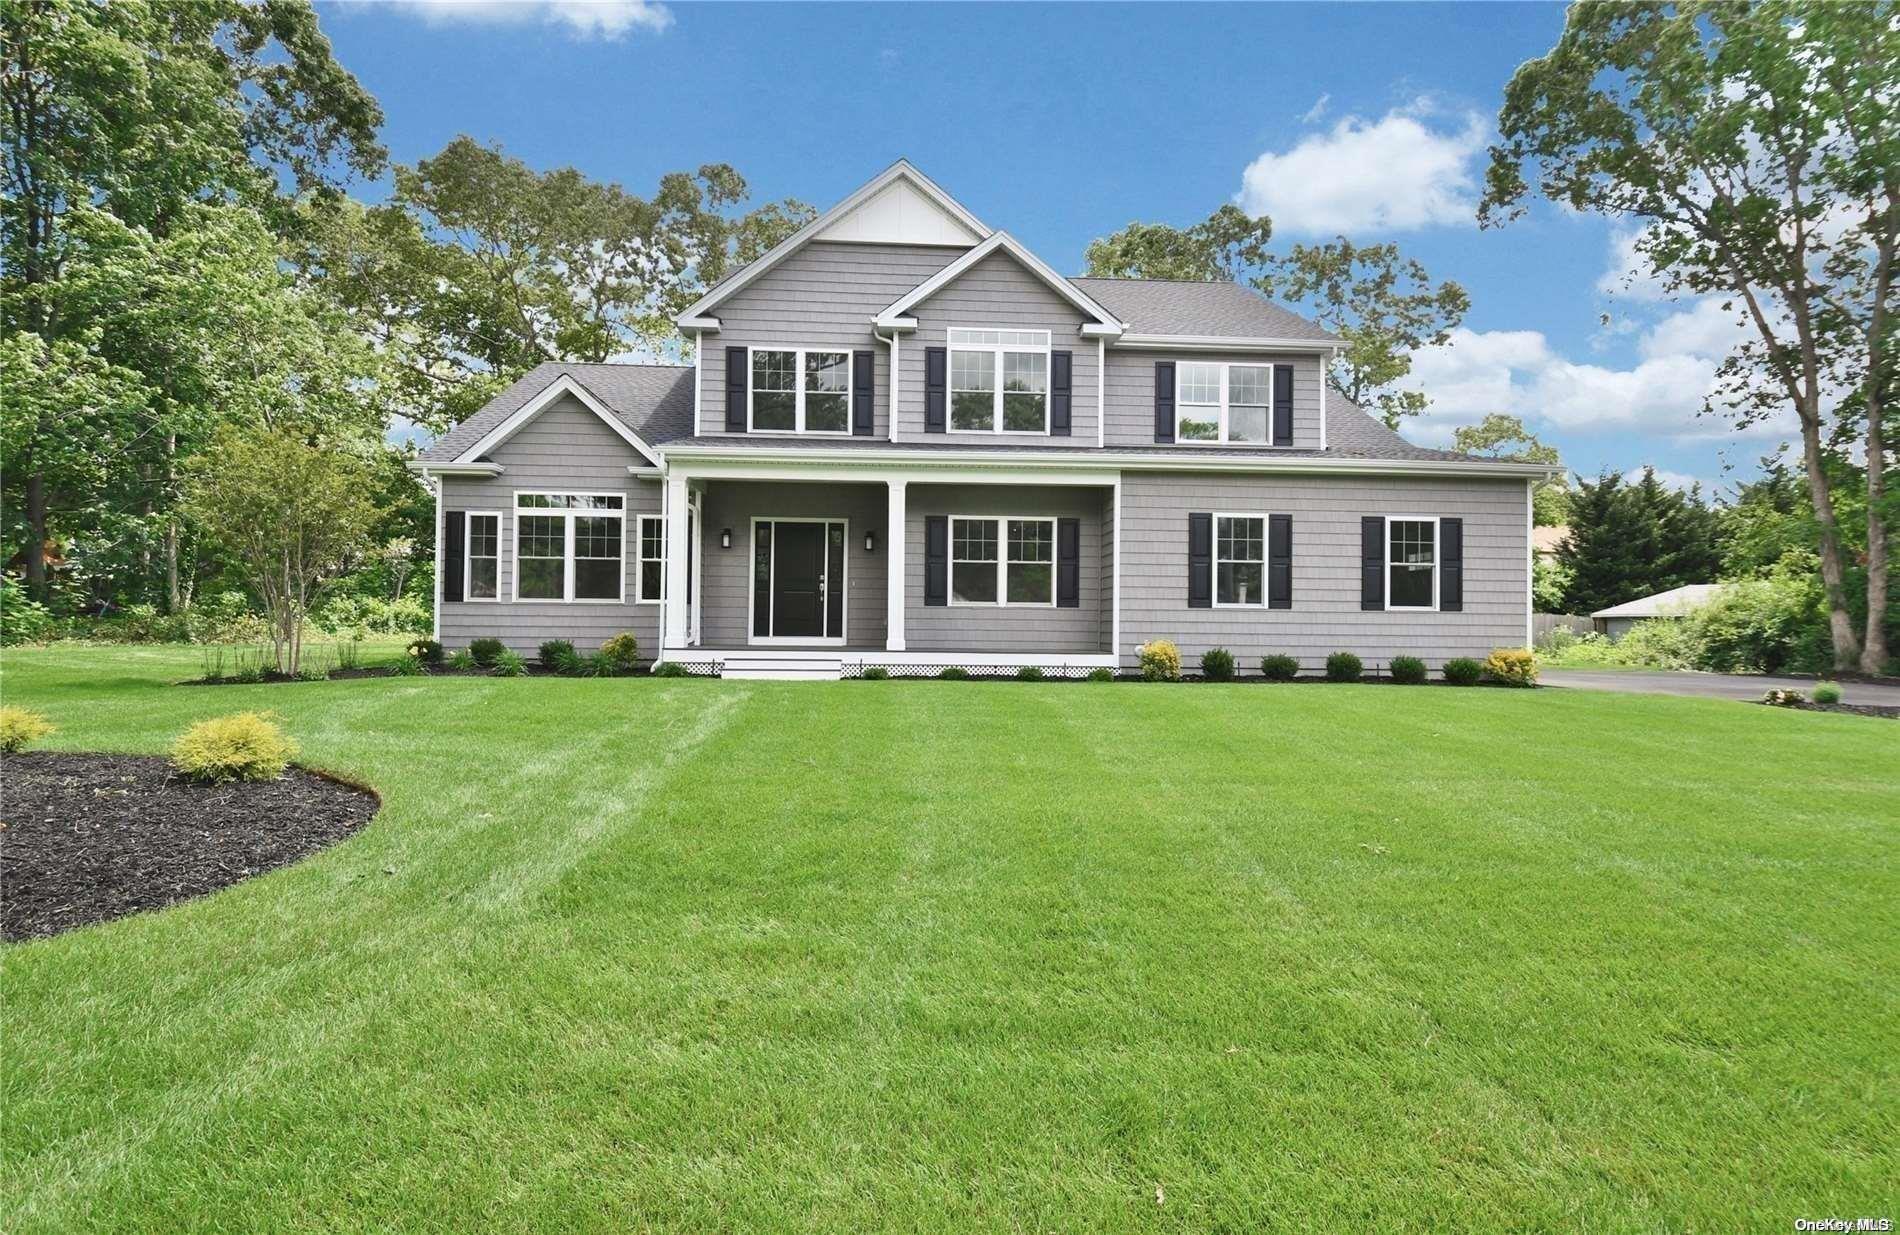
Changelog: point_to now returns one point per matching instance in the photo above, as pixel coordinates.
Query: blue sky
(1064, 122)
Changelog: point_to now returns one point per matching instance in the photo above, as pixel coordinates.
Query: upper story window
(569, 546)
(999, 381)
(1411, 563)
(1224, 403)
(800, 390)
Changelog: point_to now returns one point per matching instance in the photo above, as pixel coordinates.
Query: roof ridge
(1121, 278)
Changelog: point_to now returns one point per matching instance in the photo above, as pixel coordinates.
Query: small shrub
(875, 673)
(620, 654)
(555, 652)
(485, 650)
(249, 664)
(408, 667)
(1217, 665)
(1408, 670)
(428, 651)
(955, 673)
(1511, 666)
(1463, 671)
(213, 660)
(461, 661)
(1279, 668)
(1343, 667)
(349, 654)
(20, 728)
(1827, 692)
(1784, 698)
(1160, 661)
(510, 664)
(670, 669)
(1101, 674)
(244, 746)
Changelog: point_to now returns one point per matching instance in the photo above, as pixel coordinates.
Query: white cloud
(1398, 173)
(1676, 480)
(607, 19)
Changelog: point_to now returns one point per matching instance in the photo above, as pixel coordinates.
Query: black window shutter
(736, 374)
(936, 560)
(1451, 565)
(1200, 560)
(936, 389)
(1283, 405)
(1068, 563)
(863, 391)
(454, 558)
(1060, 368)
(1372, 562)
(1279, 561)
(1164, 400)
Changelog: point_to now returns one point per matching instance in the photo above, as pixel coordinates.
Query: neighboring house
(1545, 541)
(1616, 621)
(906, 441)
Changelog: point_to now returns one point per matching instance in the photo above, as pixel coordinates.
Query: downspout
(892, 343)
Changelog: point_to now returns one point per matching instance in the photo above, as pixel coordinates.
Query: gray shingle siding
(1325, 616)
(566, 449)
(726, 576)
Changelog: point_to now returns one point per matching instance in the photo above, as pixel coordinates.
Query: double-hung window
(651, 578)
(1002, 561)
(999, 381)
(801, 390)
(1411, 563)
(569, 546)
(1223, 402)
(1240, 559)
(482, 556)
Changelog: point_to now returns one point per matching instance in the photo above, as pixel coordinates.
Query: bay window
(999, 381)
(1217, 402)
(569, 546)
(1002, 561)
(800, 390)
(1411, 563)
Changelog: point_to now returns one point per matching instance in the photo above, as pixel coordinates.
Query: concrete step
(795, 667)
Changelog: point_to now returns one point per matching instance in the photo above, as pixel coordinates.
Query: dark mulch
(88, 838)
(1890, 711)
(530, 670)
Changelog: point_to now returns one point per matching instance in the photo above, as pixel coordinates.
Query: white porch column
(673, 634)
(894, 533)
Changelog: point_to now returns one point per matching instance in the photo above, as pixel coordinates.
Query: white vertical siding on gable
(899, 214)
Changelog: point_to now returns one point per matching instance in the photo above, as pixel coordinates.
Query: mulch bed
(88, 838)
(1858, 709)
(529, 670)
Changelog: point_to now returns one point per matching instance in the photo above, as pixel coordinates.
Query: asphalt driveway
(1710, 685)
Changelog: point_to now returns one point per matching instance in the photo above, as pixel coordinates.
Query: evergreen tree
(1628, 541)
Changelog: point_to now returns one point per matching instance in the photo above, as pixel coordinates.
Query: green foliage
(1827, 692)
(22, 619)
(243, 746)
(510, 664)
(428, 651)
(1629, 541)
(1770, 624)
(954, 673)
(1550, 584)
(462, 661)
(1343, 667)
(555, 653)
(364, 616)
(670, 669)
(874, 673)
(621, 654)
(1499, 436)
(1511, 666)
(1279, 668)
(1160, 661)
(1101, 673)
(20, 728)
(1463, 671)
(1217, 665)
(1220, 247)
(485, 650)
(409, 667)
(1407, 670)
(1029, 673)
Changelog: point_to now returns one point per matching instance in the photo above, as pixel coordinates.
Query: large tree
(1755, 145)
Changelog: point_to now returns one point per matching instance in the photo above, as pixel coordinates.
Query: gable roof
(1172, 307)
(696, 314)
(895, 316)
(648, 405)
(1672, 603)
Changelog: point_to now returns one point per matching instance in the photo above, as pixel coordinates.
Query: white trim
(569, 514)
(426, 469)
(699, 385)
(799, 352)
(1101, 392)
(895, 315)
(1115, 617)
(640, 559)
(1530, 561)
(1003, 562)
(435, 629)
(1219, 343)
(896, 529)
(674, 627)
(998, 353)
(695, 315)
(771, 579)
(883, 464)
(1223, 407)
(468, 557)
(1438, 555)
(1325, 382)
(696, 585)
(562, 385)
(897, 368)
(1266, 559)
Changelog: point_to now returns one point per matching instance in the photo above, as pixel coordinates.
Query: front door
(798, 581)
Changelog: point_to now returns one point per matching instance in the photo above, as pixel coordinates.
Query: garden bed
(1888, 711)
(528, 670)
(89, 838)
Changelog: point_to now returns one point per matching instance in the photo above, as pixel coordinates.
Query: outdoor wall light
(870, 542)
(725, 538)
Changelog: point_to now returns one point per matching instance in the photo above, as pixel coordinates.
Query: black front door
(798, 580)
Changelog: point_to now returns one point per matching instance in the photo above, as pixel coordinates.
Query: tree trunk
(1873, 649)
(1833, 569)
(172, 602)
(36, 583)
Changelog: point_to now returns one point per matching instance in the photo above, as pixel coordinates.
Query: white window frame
(1266, 559)
(568, 514)
(771, 586)
(997, 352)
(799, 352)
(1003, 562)
(1226, 388)
(1438, 555)
(640, 560)
(468, 556)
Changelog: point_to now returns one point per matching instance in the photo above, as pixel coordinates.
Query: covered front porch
(911, 572)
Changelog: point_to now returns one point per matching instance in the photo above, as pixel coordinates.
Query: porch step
(783, 667)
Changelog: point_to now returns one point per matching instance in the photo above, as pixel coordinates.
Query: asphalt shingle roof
(655, 401)
(1223, 310)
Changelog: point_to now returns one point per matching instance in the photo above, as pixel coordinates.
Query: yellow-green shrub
(244, 746)
(621, 653)
(20, 728)
(1160, 661)
(1511, 666)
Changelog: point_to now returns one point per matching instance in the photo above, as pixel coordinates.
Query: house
(1615, 622)
(1546, 541)
(905, 440)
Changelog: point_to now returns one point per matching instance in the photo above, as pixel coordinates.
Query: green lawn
(637, 954)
